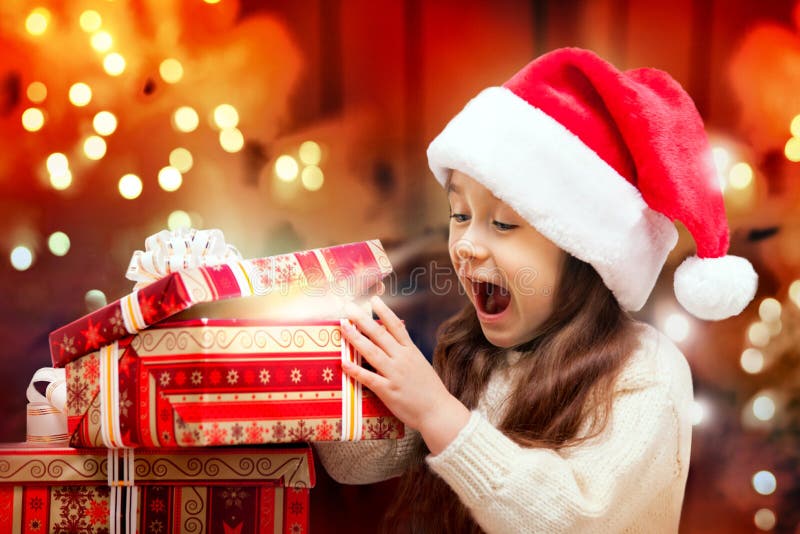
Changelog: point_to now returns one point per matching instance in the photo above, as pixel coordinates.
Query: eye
(459, 217)
(503, 226)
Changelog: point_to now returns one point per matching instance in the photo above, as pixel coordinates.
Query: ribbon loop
(46, 414)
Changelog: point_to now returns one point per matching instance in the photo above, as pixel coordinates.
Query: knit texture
(631, 478)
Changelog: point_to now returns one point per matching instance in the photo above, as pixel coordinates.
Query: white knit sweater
(629, 479)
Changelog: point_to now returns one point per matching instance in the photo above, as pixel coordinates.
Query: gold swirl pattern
(193, 500)
(292, 469)
(381, 258)
(196, 286)
(21, 470)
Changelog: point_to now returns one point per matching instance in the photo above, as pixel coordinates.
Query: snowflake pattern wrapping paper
(213, 490)
(205, 383)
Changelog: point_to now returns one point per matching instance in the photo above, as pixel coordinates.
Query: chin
(499, 341)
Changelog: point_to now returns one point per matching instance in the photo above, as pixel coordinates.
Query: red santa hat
(601, 162)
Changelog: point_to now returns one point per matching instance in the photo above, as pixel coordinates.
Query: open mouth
(491, 299)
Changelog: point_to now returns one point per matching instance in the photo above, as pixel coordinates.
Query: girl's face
(508, 269)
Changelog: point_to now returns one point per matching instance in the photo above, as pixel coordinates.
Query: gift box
(107, 491)
(222, 382)
(191, 277)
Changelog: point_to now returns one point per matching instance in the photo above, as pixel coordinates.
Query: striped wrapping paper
(222, 382)
(351, 268)
(259, 490)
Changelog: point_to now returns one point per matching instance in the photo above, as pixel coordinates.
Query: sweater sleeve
(601, 485)
(369, 461)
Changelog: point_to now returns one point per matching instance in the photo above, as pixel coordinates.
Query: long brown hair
(566, 376)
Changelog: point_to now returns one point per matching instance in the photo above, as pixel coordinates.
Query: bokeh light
(130, 186)
(80, 94)
(758, 334)
(21, 258)
(286, 168)
(226, 117)
(57, 163)
(699, 412)
(764, 482)
(185, 119)
(752, 361)
(102, 41)
(90, 21)
(37, 92)
(231, 140)
(764, 519)
(32, 119)
(769, 310)
(171, 70)
(179, 219)
(58, 243)
(181, 159)
(114, 64)
(676, 326)
(37, 21)
(94, 147)
(94, 300)
(740, 176)
(61, 181)
(794, 292)
(310, 153)
(170, 179)
(763, 407)
(105, 123)
(794, 126)
(792, 149)
(312, 178)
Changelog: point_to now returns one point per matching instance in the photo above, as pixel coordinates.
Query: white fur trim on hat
(560, 186)
(715, 288)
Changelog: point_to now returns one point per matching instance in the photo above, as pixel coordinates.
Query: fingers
(391, 321)
(374, 355)
(379, 335)
(373, 381)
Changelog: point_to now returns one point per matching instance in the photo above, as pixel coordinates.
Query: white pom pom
(715, 288)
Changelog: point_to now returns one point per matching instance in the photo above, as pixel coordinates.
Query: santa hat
(601, 162)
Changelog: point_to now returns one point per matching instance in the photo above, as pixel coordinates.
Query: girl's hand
(405, 381)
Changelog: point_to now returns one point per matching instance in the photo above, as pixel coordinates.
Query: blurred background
(297, 124)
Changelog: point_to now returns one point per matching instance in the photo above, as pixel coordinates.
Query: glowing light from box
(80, 94)
(58, 243)
(792, 149)
(699, 412)
(105, 123)
(37, 21)
(231, 140)
(752, 361)
(57, 163)
(794, 126)
(676, 326)
(286, 168)
(212, 1)
(764, 407)
(102, 41)
(764, 482)
(310, 153)
(94, 147)
(312, 178)
(114, 64)
(61, 181)
(130, 186)
(170, 179)
(179, 219)
(185, 119)
(32, 119)
(90, 21)
(171, 70)
(758, 334)
(769, 310)
(740, 176)
(794, 292)
(181, 159)
(21, 258)
(764, 519)
(37, 92)
(226, 117)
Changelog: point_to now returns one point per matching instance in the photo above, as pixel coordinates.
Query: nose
(467, 249)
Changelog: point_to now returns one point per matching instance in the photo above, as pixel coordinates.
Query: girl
(548, 408)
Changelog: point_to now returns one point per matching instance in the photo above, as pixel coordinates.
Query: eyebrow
(451, 187)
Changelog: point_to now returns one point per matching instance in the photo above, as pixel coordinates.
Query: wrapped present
(184, 268)
(222, 382)
(259, 490)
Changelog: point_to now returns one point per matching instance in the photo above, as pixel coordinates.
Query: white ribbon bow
(179, 250)
(47, 415)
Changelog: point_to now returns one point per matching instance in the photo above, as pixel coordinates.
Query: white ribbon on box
(47, 416)
(179, 250)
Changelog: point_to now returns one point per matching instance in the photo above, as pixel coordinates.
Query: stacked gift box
(148, 388)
